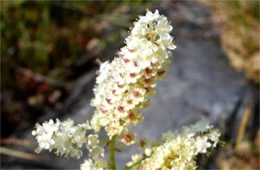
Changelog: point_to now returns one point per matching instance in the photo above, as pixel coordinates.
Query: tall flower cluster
(124, 85)
(179, 150)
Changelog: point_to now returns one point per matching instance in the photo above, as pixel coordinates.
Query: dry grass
(239, 22)
(243, 156)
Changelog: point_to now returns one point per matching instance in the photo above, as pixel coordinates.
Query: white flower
(214, 136)
(202, 144)
(93, 140)
(148, 151)
(97, 164)
(198, 127)
(128, 137)
(96, 152)
(135, 158)
(87, 165)
(169, 136)
(104, 72)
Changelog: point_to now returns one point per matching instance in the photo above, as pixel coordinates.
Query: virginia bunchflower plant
(123, 87)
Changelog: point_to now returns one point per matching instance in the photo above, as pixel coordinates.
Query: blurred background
(48, 63)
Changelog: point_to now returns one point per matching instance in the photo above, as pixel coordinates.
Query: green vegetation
(42, 40)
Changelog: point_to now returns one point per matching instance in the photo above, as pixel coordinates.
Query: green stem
(112, 153)
(135, 164)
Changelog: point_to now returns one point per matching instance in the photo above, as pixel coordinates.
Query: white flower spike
(124, 85)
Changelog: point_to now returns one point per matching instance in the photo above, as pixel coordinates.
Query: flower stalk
(112, 153)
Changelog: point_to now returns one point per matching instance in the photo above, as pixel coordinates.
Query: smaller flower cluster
(179, 150)
(64, 137)
(96, 155)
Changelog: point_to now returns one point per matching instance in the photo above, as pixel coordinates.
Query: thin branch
(14, 153)
(41, 78)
